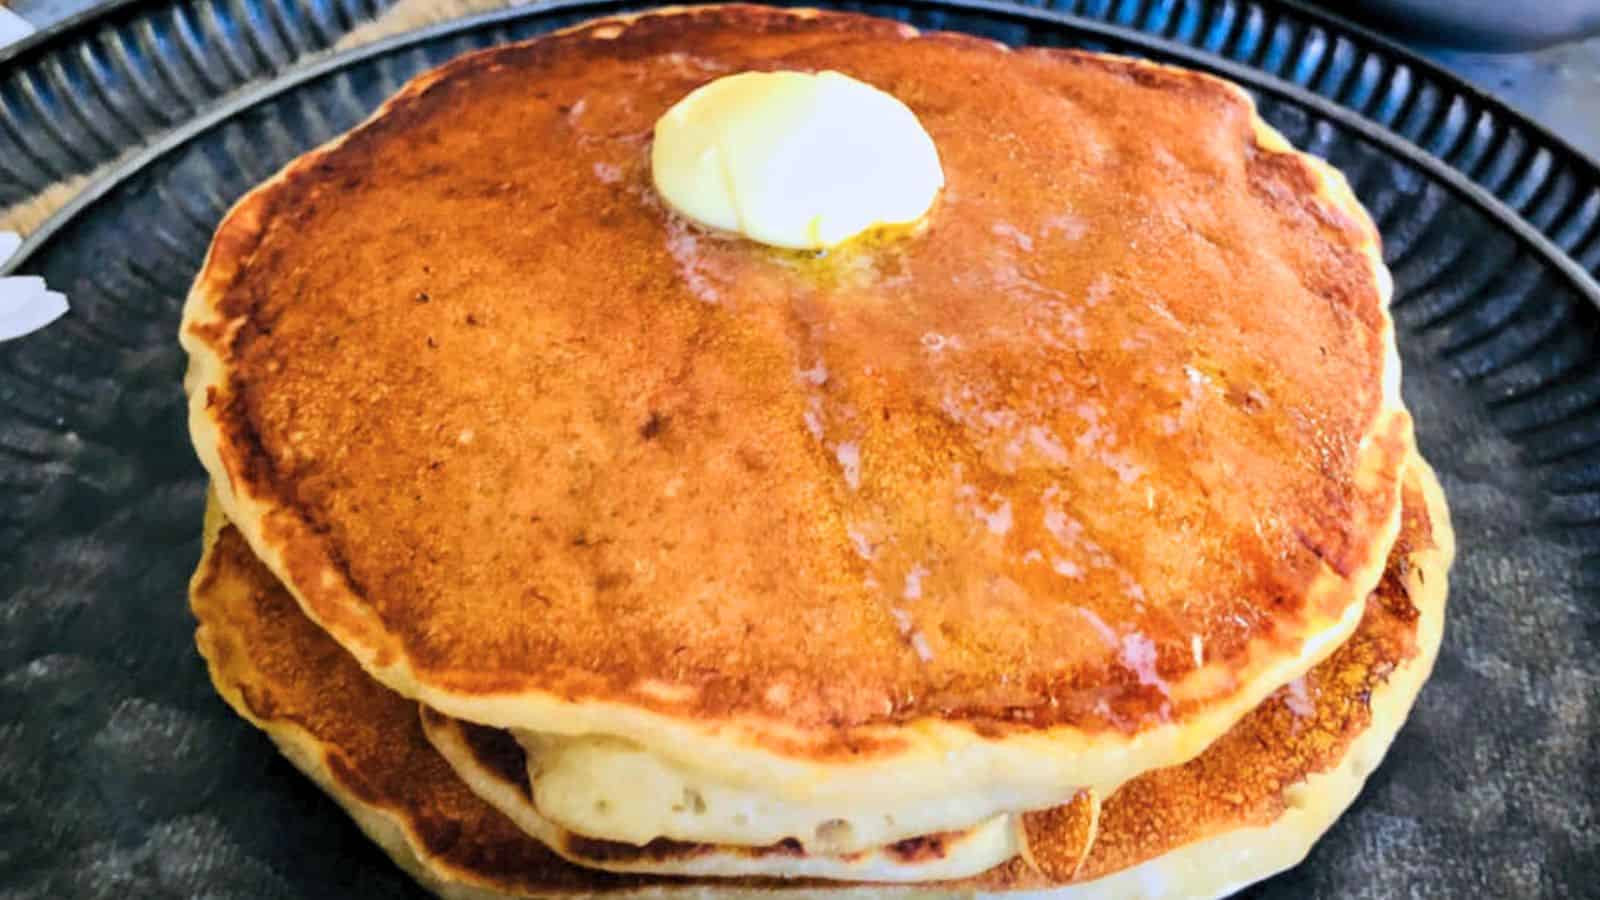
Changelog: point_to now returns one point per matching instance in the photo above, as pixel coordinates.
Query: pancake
(1248, 807)
(1234, 801)
(365, 746)
(884, 542)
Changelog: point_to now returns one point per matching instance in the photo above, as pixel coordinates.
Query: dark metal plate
(82, 93)
(121, 775)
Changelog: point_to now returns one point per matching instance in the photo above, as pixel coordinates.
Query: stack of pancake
(1075, 540)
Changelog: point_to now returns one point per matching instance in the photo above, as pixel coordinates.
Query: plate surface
(122, 775)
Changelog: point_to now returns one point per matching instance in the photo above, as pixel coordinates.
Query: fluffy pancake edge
(1192, 870)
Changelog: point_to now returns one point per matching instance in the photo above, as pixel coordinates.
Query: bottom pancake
(1249, 806)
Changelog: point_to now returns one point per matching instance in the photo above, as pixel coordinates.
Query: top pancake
(1109, 447)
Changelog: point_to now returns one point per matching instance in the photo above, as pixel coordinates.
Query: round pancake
(1043, 496)
(1248, 807)
(365, 746)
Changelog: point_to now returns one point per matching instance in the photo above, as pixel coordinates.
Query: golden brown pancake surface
(290, 678)
(278, 669)
(1115, 414)
(1248, 777)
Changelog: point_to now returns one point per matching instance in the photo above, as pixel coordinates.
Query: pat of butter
(795, 159)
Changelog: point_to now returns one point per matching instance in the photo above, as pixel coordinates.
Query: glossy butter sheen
(795, 159)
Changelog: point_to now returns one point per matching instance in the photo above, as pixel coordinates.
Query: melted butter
(684, 245)
(994, 512)
(1134, 651)
(848, 453)
(795, 159)
(1138, 655)
(1299, 698)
